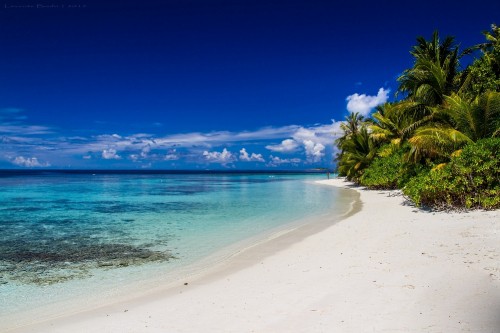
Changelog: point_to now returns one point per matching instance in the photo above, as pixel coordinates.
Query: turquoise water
(63, 236)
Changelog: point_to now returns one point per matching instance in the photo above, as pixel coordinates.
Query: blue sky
(203, 84)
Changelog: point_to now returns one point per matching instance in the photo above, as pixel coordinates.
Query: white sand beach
(388, 268)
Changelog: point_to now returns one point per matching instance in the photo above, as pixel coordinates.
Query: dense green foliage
(385, 171)
(471, 179)
(439, 142)
(389, 170)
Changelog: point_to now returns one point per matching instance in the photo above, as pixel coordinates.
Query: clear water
(65, 236)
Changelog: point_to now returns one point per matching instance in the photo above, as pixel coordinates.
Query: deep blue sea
(66, 235)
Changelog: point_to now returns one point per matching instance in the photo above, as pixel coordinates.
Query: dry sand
(387, 268)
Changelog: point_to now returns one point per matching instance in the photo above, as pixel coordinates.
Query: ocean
(73, 237)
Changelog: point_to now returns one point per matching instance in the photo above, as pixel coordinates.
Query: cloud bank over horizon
(26, 145)
(304, 147)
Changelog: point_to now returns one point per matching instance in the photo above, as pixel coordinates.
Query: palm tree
(393, 122)
(356, 154)
(492, 40)
(457, 123)
(433, 50)
(433, 75)
(484, 73)
(349, 127)
(468, 111)
(479, 119)
(352, 123)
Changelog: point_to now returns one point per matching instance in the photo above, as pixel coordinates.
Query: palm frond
(436, 142)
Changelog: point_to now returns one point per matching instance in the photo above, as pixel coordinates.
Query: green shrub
(383, 172)
(470, 180)
(390, 171)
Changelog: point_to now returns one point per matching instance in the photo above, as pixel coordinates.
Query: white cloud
(364, 103)
(223, 157)
(25, 129)
(145, 151)
(223, 137)
(314, 151)
(135, 144)
(324, 134)
(110, 154)
(244, 155)
(315, 141)
(13, 121)
(305, 134)
(17, 140)
(142, 144)
(171, 157)
(276, 161)
(250, 158)
(286, 146)
(29, 162)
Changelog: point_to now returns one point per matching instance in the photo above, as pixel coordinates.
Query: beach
(387, 267)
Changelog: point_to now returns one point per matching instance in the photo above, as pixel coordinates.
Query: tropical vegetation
(440, 140)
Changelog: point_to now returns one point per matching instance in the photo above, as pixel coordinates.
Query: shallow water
(65, 236)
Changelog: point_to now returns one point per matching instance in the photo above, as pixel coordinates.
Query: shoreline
(387, 267)
(222, 262)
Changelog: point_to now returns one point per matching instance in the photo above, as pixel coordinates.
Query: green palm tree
(352, 123)
(457, 123)
(434, 50)
(350, 127)
(484, 73)
(479, 119)
(492, 40)
(438, 141)
(394, 122)
(356, 154)
(433, 76)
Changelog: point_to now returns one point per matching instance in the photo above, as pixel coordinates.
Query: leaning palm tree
(386, 121)
(492, 40)
(394, 122)
(457, 123)
(437, 141)
(479, 119)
